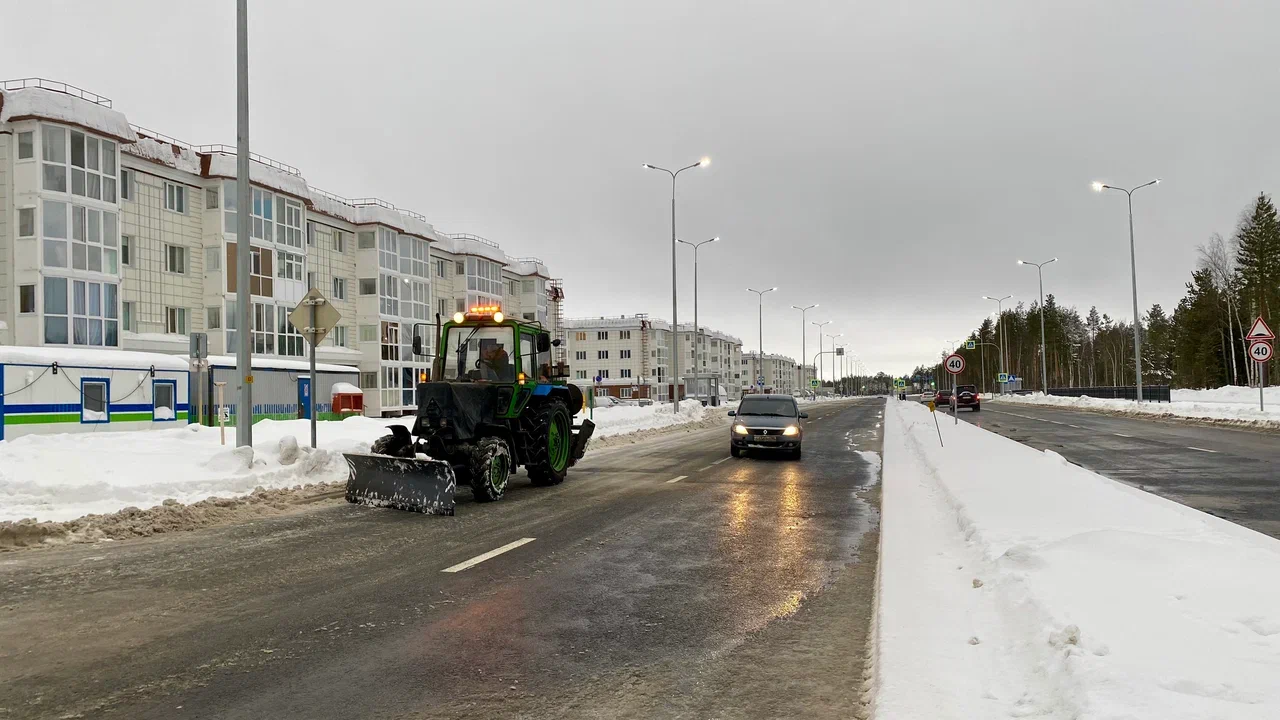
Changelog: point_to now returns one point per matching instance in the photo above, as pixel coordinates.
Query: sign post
(314, 317)
(1260, 337)
(954, 365)
(222, 413)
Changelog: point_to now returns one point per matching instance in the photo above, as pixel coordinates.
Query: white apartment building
(631, 356)
(115, 236)
(781, 373)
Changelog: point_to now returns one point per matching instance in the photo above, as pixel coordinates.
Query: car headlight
(740, 429)
(791, 430)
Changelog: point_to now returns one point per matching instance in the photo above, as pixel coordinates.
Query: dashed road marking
(1078, 427)
(1122, 435)
(722, 460)
(488, 556)
(1192, 447)
(708, 467)
(677, 479)
(1055, 422)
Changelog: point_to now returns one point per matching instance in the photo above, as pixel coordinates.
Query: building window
(175, 198)
(339, 241)
(624, 334)
(26, 145)
(368, 286)
(459, 304)
(439, 268)
(339, 288)
(93, 167)
(125, 249)
(624, 354)
(53, 153)
(388, 294)
(126, 184)
(94, 403)
(54, 231)
(602, 335)
(89, 319)
(580, 355)
(368, 381)
(390, 341)
(290, 266)
(442, 306)
(581, 374)
(339, 335)
(512, 287)
(211, 198)
(175, 259)
(164, 399)
(94, 236)
(602, 374)
(213, 318)
(212, 259)
(175, 321)
(459, 268)
(26, 222)
(526, 285)
(369, 333)
(264, 326)
(624, 372)
(288, 222)
(311, 234)
(602, 354)
(127, 314)
(26, 298)
(288, 339)
(366, 240)
(580, 337)
(626, 391)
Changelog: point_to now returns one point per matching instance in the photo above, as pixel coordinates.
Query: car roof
(768, 396)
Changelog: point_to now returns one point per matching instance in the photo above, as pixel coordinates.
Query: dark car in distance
(943, 399)
(766, 422)
(967, 397)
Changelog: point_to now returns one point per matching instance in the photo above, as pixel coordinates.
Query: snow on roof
(416, 225)
(473, 245)
(369, 212)
(87, 357)
(332, 205)
(529, 266)
(222, 164)
(170, 154)
(345, 388)
(271, 363)
(36, 102)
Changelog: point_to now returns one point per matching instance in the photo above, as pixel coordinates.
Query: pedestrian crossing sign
(1002, 377)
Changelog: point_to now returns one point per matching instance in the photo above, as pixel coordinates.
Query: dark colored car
(943, 399)
(766, 422)
(967, 397)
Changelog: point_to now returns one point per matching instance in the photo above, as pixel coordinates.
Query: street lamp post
(1044, 355)
(1133, 269)
(697, 331)
(760, 319)
(804, 335)
(1000, 319)
(675, 325)
(817, 370)
(833, 360)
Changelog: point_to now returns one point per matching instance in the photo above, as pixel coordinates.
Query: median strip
(488, 556)
(677, 479)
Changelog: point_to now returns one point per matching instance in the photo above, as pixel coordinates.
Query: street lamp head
(1021, 263)
(705, 161)
(1097, 186)
(1053, 260)
(714, 239)
(1158, 181)
(647, 166)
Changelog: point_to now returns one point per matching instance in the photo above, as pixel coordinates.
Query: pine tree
(1258, 257)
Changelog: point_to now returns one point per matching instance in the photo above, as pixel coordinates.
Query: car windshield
(778, 407)
(482, 354)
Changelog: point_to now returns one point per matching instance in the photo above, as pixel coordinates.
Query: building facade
(114, 236)
(631, 356)
(781, 374)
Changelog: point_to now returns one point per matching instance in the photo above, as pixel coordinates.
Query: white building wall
(9, 296)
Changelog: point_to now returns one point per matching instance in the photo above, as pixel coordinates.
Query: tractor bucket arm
(581, 434)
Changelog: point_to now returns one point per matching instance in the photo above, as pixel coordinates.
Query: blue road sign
(1002, 377)
(759, 379)
(598, 378)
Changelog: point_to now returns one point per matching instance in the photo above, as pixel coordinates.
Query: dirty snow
(1228, 405)
(619, 419)
(1025, 586)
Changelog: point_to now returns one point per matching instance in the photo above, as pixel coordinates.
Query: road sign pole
(311, 384)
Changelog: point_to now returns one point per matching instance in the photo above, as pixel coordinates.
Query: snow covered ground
(1014, 584)
(1233, 405)
(66, 476)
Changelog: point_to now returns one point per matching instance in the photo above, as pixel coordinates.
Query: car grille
(765, 431)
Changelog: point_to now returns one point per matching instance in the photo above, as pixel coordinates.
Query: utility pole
(803, 337)
(244, 330)
(1133, 269)
(760, 319)
(817, 370)
(1044, 355)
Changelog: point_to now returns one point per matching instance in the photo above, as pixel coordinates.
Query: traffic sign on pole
(954, 364)
(1260, 331)
(759, 379)
(970, 344)
(813, 383)
(1260, 350)
(1002, 378)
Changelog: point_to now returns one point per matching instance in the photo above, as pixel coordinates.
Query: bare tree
(1220, 259)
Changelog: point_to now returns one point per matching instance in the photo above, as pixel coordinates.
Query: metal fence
(1150, 393)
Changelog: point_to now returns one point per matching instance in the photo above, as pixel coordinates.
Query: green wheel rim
(498, 471)
(558, 443)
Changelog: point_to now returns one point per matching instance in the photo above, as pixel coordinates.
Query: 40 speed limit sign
(1260, 351)
(954, 364)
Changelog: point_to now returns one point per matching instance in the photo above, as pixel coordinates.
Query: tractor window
(528, 363)
(480, 354)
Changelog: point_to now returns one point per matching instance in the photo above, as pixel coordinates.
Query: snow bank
(1223, 405)
(60, 477)
(619, 419)
(1025, 586)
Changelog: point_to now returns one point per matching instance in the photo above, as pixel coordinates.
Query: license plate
(766, 438)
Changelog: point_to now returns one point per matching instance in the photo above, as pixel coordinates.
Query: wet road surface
(742, 589)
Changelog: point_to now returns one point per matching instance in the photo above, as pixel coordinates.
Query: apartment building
(115, 236)
(631, 354)
(781, 373)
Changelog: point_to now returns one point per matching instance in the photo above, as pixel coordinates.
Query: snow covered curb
(1200, 410)
(1016, 584)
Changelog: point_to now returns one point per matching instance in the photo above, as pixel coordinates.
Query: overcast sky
(889, 160)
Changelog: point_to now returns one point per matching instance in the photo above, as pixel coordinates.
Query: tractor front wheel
(549, 433)
(490, 469)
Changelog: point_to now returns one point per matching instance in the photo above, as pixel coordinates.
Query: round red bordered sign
(954, 364)
(1260, 351)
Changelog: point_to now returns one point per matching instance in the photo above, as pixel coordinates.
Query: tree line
(1202, 343)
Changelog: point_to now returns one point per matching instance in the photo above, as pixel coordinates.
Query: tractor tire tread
(535, 425)
(481, 457)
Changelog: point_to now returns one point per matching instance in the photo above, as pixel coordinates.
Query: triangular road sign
(1260, 331)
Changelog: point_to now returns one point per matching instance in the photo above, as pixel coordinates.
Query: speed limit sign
(1260, 351)
(954, 364)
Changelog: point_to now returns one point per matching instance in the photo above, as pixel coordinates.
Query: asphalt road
(1229, 472)
(743, 589)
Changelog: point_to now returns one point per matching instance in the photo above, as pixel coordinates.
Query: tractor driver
(496, 364)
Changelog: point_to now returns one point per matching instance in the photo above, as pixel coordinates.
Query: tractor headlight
(740, 429)
(497, 317)
(791, 430)
(458, 317)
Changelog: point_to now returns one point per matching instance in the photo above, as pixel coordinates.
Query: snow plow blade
(425, 486)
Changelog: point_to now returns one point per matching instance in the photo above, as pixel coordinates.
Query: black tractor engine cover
(459, 407)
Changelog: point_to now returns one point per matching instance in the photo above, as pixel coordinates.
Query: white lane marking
(722, 460)
(707, 467)
(1078, 427)
(1122, 435)
(677, 479)
(1055, 422)
(488, 556)
(1191, 447)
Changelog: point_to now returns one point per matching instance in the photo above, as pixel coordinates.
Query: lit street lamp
(697, 332)
(1133, 269)
(675, 327)
(760, 310)
(1044, 356)
(804, 335)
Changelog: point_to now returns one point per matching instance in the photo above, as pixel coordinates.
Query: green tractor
(495, 403)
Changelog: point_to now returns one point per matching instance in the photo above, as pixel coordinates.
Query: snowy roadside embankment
(620, 419)
(1226, 405)
(1015, 584)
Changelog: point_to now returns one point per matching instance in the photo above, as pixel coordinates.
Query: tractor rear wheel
(490, 469)
(549, 432)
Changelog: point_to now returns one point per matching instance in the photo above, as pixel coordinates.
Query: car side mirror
(732, 413)
(544, 343)
(417, 345)
(804, 416)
